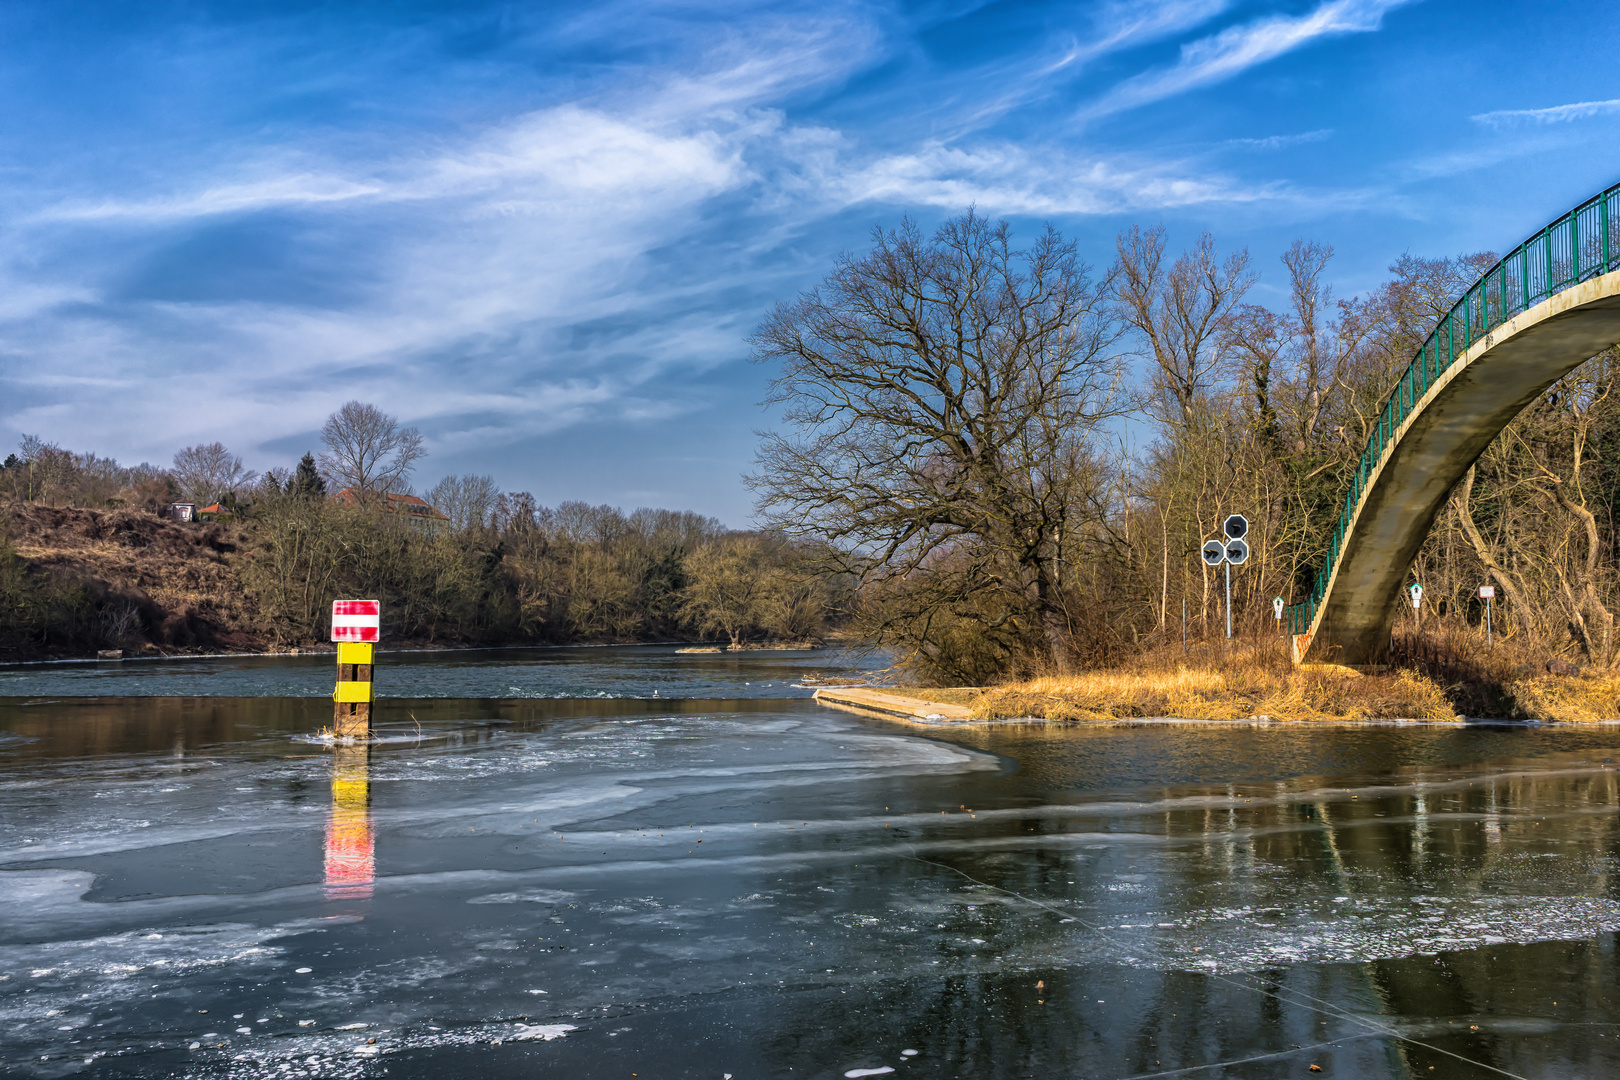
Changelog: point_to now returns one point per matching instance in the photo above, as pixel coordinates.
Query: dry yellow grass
(1581, 699)
(1441, 677)
(1250, 681)
(1259, 681)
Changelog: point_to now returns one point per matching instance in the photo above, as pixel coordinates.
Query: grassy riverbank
(1259, 680)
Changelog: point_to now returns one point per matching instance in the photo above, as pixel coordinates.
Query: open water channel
(543, 869)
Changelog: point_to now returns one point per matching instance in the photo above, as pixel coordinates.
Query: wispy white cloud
(1011, 179)
(1238, 48)
(1117, 27)
(1556, 114)
(1279, 142)
(231, 197)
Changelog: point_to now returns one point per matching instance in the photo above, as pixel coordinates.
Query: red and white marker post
(356, 625)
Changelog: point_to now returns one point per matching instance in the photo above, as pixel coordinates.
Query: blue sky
(542, 233)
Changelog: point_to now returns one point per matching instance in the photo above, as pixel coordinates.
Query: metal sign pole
(1183, 624)
(1488, 603)
(1229, 600)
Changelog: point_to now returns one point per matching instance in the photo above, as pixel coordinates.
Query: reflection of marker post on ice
(355, 628)
(351, 864)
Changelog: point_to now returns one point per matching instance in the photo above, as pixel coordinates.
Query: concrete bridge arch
(1543, 310)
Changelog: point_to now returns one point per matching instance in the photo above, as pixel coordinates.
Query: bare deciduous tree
(943, 393)
(728, 586)
(468, 501)
(208, 472)
(1180, 312)
(367, 451)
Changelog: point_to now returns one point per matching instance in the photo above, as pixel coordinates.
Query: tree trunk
(1498, 572)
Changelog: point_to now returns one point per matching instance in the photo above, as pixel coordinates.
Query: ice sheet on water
(42, 890)
(527, 896)
(1359, 930)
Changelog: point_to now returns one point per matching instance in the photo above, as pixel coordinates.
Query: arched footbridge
(1550, 304)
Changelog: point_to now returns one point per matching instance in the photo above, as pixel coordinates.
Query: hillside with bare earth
(82, 579)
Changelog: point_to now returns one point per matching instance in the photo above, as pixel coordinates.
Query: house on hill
(415, 512)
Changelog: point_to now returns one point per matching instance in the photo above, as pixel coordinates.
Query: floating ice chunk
(302, 971)
(305, 1023)
(350, 1027)
(910, 1053)
(194, 1046)
(977, 940)
(536, 991)
(853, 1073)
(244, 1031)
(526, 1032)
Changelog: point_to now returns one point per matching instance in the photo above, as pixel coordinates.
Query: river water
(543, 870)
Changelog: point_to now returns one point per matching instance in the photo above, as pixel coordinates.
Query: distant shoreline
(328, 649)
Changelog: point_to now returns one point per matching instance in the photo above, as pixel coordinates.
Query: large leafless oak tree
(942, 394)
(207, 473)
(367, 451)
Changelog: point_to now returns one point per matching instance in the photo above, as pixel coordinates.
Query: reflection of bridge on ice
(1551, 303)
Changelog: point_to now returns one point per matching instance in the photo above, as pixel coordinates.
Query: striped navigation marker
(355, 626)
(356, 620)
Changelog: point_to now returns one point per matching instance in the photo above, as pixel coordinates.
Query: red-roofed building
(416, 512)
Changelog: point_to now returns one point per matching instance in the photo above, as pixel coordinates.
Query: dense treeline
(526, 573)
(502, 569)
(953, 405)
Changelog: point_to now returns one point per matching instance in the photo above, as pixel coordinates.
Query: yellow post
(351, 709)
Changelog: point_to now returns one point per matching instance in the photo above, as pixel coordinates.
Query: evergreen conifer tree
(306, 483)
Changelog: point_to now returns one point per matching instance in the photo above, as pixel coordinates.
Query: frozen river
(544, 870)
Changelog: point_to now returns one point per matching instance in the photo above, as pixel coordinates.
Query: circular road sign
(1237, 552)
(1235, 527)
(1214, 552)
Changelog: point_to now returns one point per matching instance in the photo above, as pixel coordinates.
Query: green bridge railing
(1582, 244)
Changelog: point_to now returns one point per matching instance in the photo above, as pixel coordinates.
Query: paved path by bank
(891, 704)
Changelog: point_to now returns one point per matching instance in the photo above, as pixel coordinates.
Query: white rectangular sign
(1487, 592)
(356, 620)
